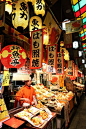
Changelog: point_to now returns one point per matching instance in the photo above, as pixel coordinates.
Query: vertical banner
(76, 71)
(6, 78)
(68, 40)
(70, 68)
(51, 58)
(36, 51)
(60, 63)
(2, 14)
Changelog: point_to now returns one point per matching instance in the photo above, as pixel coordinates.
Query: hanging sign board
(70, 68)
(2, 14)
(76, 71)
(20, 76)
(60, 63)
(13, 56)
(36, 51)
(51, 58)
(6, 78)
(68, 40)
(53, 29)
(74, 26)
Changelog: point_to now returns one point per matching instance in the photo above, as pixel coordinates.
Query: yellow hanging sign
(6, 77)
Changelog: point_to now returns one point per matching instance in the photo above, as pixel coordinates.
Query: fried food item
(39, 105)
(36, 121)
(43, 114)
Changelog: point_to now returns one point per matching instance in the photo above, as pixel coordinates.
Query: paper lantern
(75, 44)
(39, 7)
(20, 13)
(35, 23)
(61, 43)
(13, 56)
(8, 6)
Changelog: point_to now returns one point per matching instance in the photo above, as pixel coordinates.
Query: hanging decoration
(60, 63)
(20, 14)
(35, 23)
(51, 58)
(39, 7)
(66, 53)
(13, 56)
(45, 36)
(36, 51)
(68, 40)
(84, 47)
(53, 29)
(74, 26)
(70, 68)
(6, 78)
(8, 6)
(75, 44)
(79, 9)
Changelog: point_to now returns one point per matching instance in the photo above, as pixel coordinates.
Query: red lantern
(13, 56)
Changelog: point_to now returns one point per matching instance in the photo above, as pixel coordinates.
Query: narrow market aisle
(79, 119)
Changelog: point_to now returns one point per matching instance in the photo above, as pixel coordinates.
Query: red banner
(51, 58)
(36, 51)
(60, 63)
(13, 56)
(70, 68)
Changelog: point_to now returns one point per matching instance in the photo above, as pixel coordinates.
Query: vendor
(26, 94)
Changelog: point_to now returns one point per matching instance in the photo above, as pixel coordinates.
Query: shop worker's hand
(26, 100)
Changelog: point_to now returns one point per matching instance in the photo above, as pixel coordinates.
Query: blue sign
(1, 79)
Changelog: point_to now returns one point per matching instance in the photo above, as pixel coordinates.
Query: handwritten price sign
(6, 78)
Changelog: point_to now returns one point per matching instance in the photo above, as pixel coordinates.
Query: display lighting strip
(79, 9)
(84, 46)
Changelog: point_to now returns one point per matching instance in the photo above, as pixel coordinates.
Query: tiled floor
(79, 119)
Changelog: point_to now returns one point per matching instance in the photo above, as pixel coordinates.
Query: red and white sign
(60, 63)
(51, 58)
(13, 56)
(36, 51)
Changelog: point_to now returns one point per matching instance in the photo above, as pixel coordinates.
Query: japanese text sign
(51, 58)
(36, 51)
(20, 13)
(39, 7)
(60, 63)
(6, 78)
(35, 23)
(70, 68)
(13, 56)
